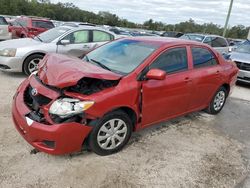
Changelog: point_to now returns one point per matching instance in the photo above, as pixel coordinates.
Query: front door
(163, 99)
(79, 44)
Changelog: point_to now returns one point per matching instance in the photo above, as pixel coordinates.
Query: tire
(103, 140)
(30, 63)
(218, 101)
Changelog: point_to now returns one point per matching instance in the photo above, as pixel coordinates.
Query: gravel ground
(184, 152)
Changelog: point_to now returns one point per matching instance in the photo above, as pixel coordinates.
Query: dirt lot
(191, 151)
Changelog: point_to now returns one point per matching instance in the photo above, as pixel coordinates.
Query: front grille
(243, 66)
(35, 102)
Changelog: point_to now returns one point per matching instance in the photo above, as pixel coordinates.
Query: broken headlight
(67, 107)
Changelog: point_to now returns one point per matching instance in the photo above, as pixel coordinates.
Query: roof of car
(165, 40)
(205, 35)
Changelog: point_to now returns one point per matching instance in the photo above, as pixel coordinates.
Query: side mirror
(156, 74)
(64, 42)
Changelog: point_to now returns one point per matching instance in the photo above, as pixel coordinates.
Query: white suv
(5, 34)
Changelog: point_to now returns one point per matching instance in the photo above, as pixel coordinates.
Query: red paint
(163, 96)
(25, 28)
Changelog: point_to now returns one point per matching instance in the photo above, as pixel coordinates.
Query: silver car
(241, 56)
(23, 55)
(217, 42)
(4, 29)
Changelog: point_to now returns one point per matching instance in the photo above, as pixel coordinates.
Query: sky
(171, 11)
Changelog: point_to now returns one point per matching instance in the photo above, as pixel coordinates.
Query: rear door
(99, 37)
(163, 99)
(205, 76)
(79, 43)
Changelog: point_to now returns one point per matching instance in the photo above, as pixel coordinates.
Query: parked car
(23, 55)
(217, 42)
(5, 33)
(118, 88)
(172, 34)
(30, 27)
(241, 56)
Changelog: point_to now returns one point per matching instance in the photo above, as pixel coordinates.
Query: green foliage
(69, 12)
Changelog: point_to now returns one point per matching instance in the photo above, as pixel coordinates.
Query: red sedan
(121, 87)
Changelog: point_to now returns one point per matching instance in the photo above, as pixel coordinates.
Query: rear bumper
(63, 138)
(244, 76)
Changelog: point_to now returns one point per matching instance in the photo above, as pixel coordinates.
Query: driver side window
(171, 61)
(78, 37)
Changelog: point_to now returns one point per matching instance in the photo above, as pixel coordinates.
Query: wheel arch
(227, 87)
(129, 111)
(33, 53)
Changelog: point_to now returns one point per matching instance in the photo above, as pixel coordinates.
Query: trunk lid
(63, 71)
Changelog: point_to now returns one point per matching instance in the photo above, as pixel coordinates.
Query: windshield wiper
(100, 64)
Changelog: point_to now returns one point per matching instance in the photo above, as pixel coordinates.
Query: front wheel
(110, 134)
(31, 63)
(218, 101)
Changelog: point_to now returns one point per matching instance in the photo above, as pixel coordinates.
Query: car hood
(240, 57)
(63, 71)
(18, 43)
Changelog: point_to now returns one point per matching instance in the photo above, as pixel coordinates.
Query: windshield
(194, 37)
(244, 47)
(52, 34)
(121, 56)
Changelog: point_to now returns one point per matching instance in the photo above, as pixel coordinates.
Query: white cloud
(173, 11)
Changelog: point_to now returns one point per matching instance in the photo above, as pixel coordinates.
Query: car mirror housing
(156, 74)
(65, 42)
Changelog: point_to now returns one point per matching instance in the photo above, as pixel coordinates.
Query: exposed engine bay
(88, 86)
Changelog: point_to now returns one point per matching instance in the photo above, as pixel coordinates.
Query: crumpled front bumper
(53, 139)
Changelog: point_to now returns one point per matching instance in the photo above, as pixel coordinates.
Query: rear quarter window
(202, 57)
(219, 42)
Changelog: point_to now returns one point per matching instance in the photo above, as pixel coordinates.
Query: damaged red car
(118, 88)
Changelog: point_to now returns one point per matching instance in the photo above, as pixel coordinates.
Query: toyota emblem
(34, 92)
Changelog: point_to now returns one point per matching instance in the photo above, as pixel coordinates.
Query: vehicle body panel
(242, 61)
(4, 30)
(28, 46)
(152, 101)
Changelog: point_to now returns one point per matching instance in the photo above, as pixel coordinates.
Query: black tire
(98, 124)
(211, 109)
(27, 62)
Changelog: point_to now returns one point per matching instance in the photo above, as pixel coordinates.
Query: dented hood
(63, 71)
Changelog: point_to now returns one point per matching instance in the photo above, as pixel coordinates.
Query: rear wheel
(218, 101)
(110, 134)
(31, 63)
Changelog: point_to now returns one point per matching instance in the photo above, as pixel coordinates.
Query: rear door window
(203, 57)
(42, 24)
(172, 60)
(101, 36)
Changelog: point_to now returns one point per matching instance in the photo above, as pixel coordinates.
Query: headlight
(67, 107)
(8, 52)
